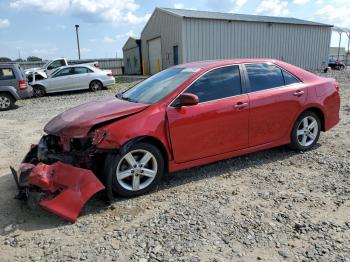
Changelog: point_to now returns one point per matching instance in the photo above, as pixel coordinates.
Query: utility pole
(77, 32)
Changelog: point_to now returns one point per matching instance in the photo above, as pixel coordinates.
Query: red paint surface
(75, 186)
(207, 132)
(77, 121)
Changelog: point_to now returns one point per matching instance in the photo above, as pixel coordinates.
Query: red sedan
(184, 116)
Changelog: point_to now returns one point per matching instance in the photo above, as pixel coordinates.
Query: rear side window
(289, 79)
(7, 74)
(82, 70)
(218, 83)
(264, 76)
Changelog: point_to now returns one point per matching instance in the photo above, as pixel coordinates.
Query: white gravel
(272, 205)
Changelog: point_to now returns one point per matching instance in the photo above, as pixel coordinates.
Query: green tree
(20, 60)
(5, 59)
(33, 59)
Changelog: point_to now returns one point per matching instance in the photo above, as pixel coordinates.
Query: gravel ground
(272, 205)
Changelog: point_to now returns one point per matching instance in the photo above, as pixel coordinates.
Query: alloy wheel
(4, 102)
(95, 85)
(136, 170)
(307, 131)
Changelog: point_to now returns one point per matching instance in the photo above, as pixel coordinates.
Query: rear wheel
(6, 101)
(95, 86)
(306, 131)
(135, 172)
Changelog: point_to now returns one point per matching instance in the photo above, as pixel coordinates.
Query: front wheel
(135, 172)
(306, 131)
(38, 91)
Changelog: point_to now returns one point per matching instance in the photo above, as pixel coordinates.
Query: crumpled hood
(77, 121)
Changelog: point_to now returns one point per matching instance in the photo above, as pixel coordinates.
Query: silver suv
(13, 86)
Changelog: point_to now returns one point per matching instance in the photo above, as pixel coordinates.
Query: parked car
(184, 116)
(44, 71)
(75, 77)
(13, 86)
(336, 64)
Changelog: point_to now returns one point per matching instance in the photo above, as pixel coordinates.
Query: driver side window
(216, 84)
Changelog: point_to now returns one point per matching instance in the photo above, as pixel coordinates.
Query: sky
(46, 28)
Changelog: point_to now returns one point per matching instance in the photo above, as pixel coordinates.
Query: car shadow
(30, 217)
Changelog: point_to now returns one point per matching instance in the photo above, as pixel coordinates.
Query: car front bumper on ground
(64, 188)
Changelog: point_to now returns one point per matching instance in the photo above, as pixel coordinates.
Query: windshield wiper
(120, 96)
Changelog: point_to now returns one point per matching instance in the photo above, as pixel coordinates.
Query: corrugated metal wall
(169, 28)
(131, 57)
(301, 45)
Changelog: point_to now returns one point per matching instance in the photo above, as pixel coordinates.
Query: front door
(218, 124)
(61, 81)
(276, 97)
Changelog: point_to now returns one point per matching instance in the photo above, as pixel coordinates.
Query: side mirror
(187, 99)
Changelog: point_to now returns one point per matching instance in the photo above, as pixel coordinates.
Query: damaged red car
(184, 116)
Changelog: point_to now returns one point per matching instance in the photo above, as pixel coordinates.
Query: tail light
(97, 65)
(337, 87)
(22, 85)
(109, 74)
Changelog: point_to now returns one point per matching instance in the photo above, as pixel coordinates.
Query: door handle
(240, 105)
(299, 93)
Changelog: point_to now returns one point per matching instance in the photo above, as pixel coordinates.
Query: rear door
(218, 124)
(82, 77)
(276, 97)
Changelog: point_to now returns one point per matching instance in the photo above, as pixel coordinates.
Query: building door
(176, 54)
(155, 55)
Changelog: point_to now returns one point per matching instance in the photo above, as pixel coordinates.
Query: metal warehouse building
(173, 36)
(132, 57)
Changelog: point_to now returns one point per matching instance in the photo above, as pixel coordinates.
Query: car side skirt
(173, 167)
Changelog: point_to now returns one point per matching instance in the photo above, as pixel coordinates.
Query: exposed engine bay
(61, 168)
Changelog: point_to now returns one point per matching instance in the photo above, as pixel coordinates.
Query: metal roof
(239, 17)
(341, 29)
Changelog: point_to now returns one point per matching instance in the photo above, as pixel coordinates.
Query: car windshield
(159, 86)
(54, 72)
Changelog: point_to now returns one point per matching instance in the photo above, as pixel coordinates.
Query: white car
(74, 77)
(50, 67)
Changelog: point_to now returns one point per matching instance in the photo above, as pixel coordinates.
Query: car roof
(302, 74)
(76, 65)
(216, 63)
(9, 65)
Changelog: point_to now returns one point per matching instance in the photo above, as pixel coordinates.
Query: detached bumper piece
(67, 188)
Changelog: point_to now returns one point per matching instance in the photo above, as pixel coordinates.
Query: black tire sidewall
(42, 91)
(12, 101)
(98, 82)
(295, 143)
(112, 164)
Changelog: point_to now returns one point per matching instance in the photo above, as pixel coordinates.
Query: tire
(95, 85)
(7, 102)
(306, 131)
(38, 91)
(126, 180)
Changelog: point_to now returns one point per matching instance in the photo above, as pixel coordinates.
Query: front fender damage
(66, 188)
